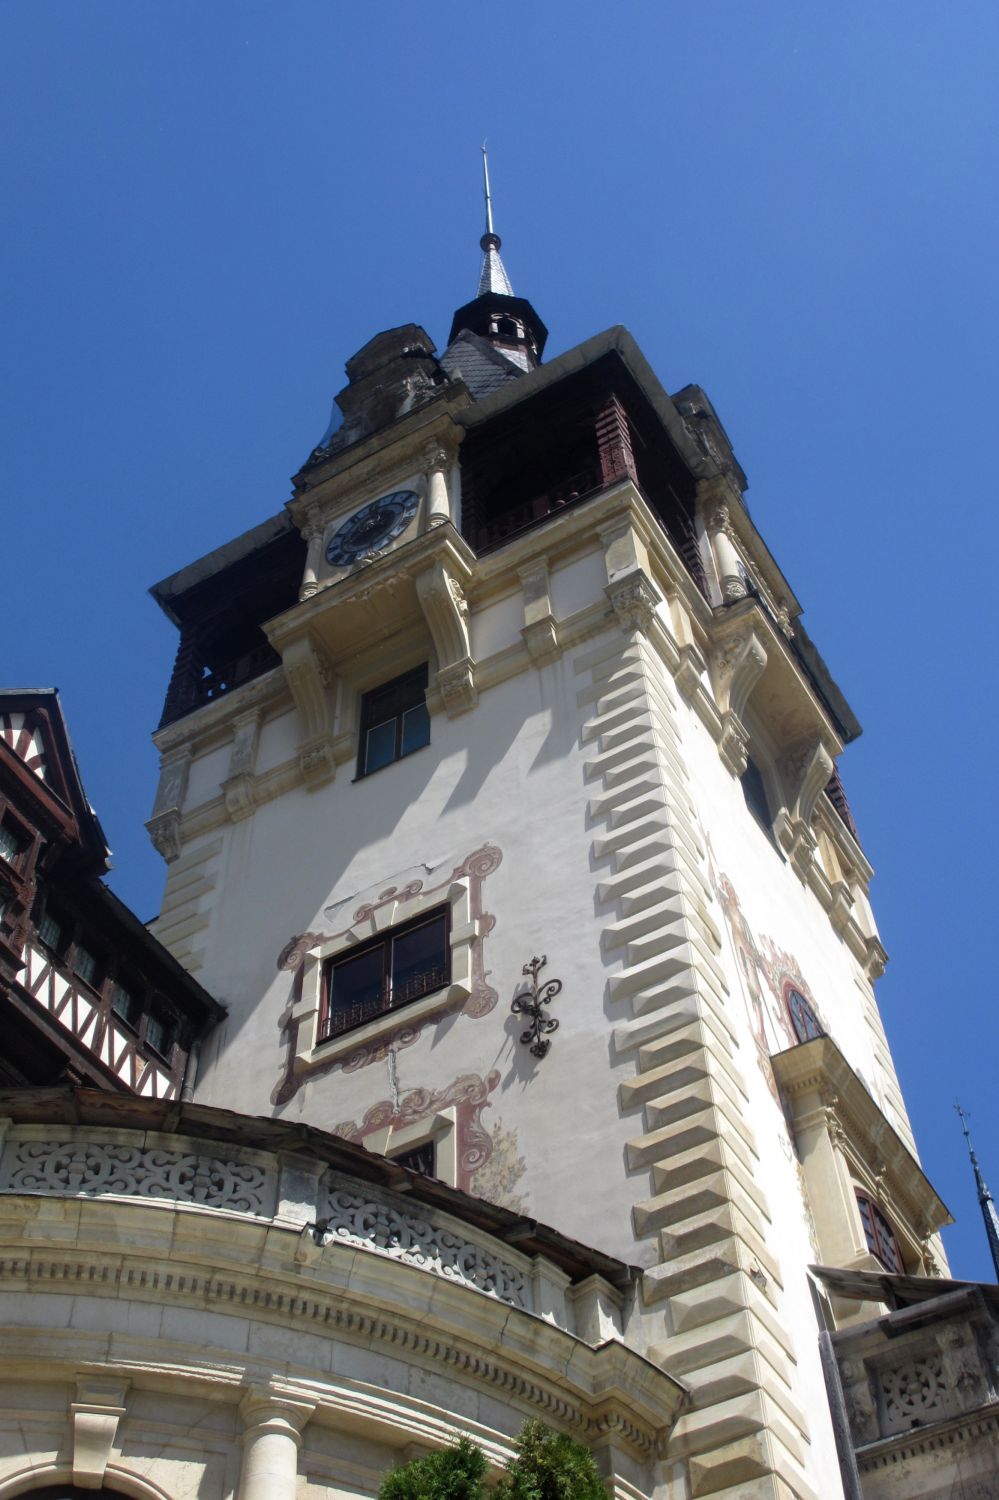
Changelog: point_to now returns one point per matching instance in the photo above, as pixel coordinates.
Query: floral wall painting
(768, 977)
(486, 1160)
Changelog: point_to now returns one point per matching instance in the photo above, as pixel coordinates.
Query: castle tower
(511, 702)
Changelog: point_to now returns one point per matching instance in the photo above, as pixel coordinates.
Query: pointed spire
(492, 277)
(984, 1196)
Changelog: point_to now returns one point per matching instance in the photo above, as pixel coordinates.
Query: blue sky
(209, 207)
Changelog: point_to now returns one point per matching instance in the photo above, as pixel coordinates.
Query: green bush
(453, 1473)
(547, 1466)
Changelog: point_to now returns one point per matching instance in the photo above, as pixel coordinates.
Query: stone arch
(55, 1482)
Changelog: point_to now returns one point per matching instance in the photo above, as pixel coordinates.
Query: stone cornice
(349, 1296)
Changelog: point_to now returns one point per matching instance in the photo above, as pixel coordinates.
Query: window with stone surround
(391, 971)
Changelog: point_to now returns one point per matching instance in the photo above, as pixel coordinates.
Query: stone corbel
(841, 909)
(438, 463)
(238, 787)
(310, 682)
(164, 825)
(445, 609)
(540, 630)
(806, 771)
(95, 1414)
(164, 831)
(634, 599)
(737, 663)
(690, 672)
(877, 959)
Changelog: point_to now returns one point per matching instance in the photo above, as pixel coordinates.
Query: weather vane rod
(489, 201)
(985, 1201)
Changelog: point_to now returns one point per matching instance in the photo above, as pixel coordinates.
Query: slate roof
(483, 368)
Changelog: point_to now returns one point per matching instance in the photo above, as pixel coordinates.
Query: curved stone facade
(186, 1313)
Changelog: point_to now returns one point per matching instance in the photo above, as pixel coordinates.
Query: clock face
(371, 527)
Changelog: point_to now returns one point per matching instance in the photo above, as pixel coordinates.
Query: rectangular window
(394, 721)
(50, 931)
(12, 842)
(393, 971)
(158, 1034)
(127, 1005)
(420, 1159)
(880, 1236)
(85, 964)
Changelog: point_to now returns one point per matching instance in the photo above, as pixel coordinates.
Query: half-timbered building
(87, 994)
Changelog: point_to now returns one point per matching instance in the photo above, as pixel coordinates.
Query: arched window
(880, 1235)
(803, 1018)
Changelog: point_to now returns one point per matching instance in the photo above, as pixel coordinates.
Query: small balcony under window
(387, 974)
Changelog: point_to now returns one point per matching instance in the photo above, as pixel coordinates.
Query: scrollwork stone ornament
(634, 600)
(379, 1225)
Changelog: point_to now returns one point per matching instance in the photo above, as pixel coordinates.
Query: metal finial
(492, 277)
(489, 201)
(985, 1200)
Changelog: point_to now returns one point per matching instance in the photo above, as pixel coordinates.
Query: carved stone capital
(316, 761)
(634, 599)
(164, 831)
(436, 458)
(541, 640)
(457, 687)
(238, 792)
(733, 744)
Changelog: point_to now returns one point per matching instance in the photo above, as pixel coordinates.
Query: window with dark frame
(880, 1235)
(384, 975)
(13, 841)
(803, 1018)
(126, 1004)
(755, 792)
(52, 932)
(395, 721)
(421, 1158)
(86, 965)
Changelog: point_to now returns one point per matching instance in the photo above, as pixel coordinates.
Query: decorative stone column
(438, 500)
(719, 524)
(272, 1436)
(313, 558)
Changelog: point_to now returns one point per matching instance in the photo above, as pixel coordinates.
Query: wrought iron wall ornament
(532, 1005)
